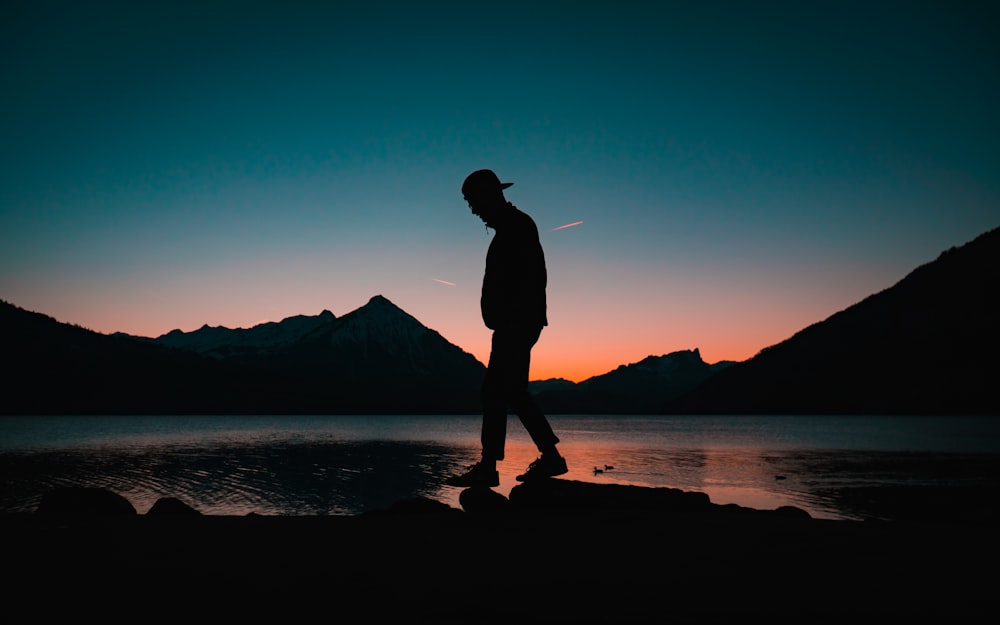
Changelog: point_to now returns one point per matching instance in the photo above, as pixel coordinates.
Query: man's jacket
(515, 279)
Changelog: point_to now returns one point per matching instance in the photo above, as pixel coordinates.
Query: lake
(830, 466)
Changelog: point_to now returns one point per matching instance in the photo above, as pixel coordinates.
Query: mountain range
(926, 345)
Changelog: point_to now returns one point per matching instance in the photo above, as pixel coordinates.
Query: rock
(421, 505)
(563, 495)
(791, 512)
(78, 501)
(483, 500)
(171, 506)
(414, 507)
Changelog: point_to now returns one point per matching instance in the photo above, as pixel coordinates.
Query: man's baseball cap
(483, 180)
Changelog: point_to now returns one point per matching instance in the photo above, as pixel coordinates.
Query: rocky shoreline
(558, 550)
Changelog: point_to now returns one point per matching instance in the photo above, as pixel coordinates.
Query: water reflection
(274, 478)
(323, 466)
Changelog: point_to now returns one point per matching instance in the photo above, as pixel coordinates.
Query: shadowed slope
(927, 345)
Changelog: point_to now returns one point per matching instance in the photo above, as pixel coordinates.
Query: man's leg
(493, 397)
(535, 422)
(492, 437)
(516, 352)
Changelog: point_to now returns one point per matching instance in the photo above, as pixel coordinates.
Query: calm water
(319, 465)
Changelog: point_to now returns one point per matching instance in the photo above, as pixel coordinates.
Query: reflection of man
(513, 306)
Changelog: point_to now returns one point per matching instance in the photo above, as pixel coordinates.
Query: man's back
(515, 278)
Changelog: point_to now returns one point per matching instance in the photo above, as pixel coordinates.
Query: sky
(734, 171)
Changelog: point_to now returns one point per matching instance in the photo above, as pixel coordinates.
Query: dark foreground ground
(567, 552)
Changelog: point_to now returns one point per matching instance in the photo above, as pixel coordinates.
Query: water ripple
(292, 479)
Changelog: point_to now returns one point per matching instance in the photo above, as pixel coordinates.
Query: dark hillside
(57, 368)
(374, 360)
(927, 345)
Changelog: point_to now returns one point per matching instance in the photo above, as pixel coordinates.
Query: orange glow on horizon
(577, 367)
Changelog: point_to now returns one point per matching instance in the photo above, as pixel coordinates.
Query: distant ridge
(220, 342)
(643, 387)
(376, 359)
(928, 345)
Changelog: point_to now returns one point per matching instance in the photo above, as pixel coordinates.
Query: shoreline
(568, 555)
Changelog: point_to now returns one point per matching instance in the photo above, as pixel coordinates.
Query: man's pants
(506, 386)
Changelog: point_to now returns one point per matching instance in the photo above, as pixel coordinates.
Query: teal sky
(741, 169)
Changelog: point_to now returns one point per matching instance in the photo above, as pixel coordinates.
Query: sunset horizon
(581, 362)
(711, 176)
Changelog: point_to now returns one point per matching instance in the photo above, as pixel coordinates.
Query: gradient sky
(740, 170)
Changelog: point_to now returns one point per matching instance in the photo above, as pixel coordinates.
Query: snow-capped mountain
(220, 342)
(375, 358)
(378, 338)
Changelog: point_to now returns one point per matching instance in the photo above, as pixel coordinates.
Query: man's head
(483, 191)
(483, 181)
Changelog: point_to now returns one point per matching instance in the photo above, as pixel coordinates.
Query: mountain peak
(380, 301)
(379, 319)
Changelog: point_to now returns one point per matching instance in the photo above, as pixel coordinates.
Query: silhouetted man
(513, 306)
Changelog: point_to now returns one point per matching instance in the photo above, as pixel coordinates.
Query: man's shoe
(477, 475)
(549, 465)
